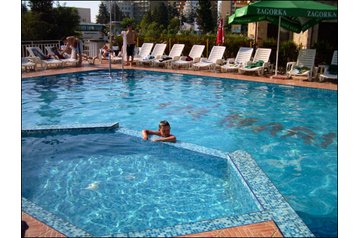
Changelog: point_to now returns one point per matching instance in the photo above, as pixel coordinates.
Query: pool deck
(280, 79)
(263, 229)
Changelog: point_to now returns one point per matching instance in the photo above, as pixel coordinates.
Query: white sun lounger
(261, 55)
(195, 54)
(215, 58)
(143, 52)
(67, 61)
(157, 53)
(27, 64)
(174, 55)
(304, 66)
(38, 57)
(243, 56)
(326, 74)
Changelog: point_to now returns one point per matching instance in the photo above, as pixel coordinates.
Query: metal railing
(40, 43)
(43, 43)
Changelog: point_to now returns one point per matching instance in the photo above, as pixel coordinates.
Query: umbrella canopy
(220, 34)
(294, 16)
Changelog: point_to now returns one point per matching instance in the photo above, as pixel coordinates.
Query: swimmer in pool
(164, 132)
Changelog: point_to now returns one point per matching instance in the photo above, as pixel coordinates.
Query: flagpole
(278, 43)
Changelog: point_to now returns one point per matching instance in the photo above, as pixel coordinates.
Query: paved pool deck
(267, 78)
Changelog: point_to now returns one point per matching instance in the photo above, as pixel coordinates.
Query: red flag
(220, 35)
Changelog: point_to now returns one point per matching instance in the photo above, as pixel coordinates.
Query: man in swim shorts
(164, 132)
(131, 41)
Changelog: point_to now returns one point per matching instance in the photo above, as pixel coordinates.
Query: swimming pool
(291, 132)
(111, 183)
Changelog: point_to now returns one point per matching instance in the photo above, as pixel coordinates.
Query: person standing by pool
(131, 41)
(77, 46)
(164, 131)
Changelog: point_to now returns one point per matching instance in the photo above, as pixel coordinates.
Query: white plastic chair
(326, 74)
(195, 54)
(243, 56)
(27, 64)
(261, 55)
(215, 58)
(66, 62)
(157, 53)
(143, 52)
(174, 54)
(304, 66)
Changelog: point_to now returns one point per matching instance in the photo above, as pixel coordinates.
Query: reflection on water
(274, 128)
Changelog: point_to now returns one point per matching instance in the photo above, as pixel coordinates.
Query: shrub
(324, 52)
(288, 52)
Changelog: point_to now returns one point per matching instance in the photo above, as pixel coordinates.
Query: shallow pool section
(115, 183)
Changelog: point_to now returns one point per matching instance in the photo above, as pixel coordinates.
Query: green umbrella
(294, 16)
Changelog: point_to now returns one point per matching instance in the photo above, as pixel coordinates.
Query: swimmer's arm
(170, 138)
(145, 133)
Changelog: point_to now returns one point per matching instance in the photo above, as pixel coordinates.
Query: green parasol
(294, 16)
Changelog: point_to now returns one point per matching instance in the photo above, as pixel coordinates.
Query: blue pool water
(111, 183)
(291, 132)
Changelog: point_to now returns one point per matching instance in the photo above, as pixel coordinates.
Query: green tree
(23, 8)
(117, 14)
(43, 8)
(205, 18)
(160, 15)
(172, 12)
(41, 5)
(103, 14)
(126, 21)
(146, 20)
(173, 26)
(32, 27)
(154, 30)
(66, 22)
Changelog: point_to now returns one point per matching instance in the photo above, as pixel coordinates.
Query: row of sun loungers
(37, 58)
(195, 60)
(304, 66)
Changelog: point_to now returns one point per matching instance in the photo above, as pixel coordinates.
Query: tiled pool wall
(272, 204)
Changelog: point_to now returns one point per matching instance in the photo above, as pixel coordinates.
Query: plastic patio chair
(157, 53)
(243, 56)
(193, 57)
(174, 54)
(66, 62)
(259, 63)
(330, 71)
(304, 66)
(38, 57)
(215, 58)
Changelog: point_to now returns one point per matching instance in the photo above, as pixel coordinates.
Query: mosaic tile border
(237, 79)
(52, 220)
(242, 80)
(274, 206)
(74, 128)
